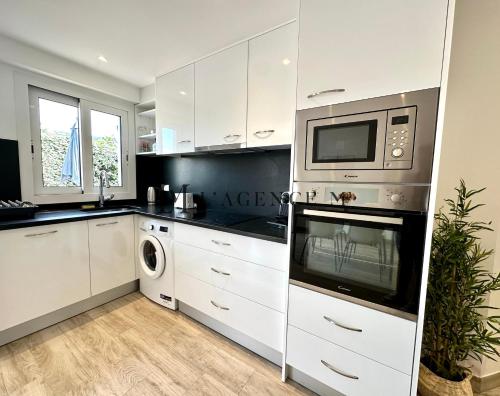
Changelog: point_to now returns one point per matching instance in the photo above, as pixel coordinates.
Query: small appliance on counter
(151, 195)
(16, 210)
(180, 199)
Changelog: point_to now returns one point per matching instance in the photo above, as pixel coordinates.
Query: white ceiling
(140, 39)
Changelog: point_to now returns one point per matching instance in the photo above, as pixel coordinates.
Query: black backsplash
(244, 183)
(10, 179)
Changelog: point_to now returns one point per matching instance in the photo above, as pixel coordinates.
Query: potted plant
(455, 325)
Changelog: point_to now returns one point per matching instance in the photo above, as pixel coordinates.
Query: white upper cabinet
(357, 49)
(221, 98)
(272, 80)
(175, 111)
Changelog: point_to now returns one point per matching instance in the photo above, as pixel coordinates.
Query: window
(73, 140)
(106, 146)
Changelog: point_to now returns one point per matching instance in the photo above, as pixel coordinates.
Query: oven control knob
(396, 198)
(397, 152)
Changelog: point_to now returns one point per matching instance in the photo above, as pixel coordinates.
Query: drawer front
(255, 282)
(256, 321)
(385, 338)
(341, 369)
(196, 294)
(269, 254)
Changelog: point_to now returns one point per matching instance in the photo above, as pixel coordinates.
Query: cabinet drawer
(263, 285)
(269, 254)
(384, 338)
(341, 369)
(256, 321)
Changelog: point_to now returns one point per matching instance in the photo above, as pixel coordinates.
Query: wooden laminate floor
(131, 346)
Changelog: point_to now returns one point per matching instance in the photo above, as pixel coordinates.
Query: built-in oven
(388, 139)
(361, 243)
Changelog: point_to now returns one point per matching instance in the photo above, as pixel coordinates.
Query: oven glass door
(349, 142)
(369, 255)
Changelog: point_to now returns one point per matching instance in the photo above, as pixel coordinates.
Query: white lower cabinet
(260, 284)
(379, 336)
(237, 280)
(42, 269)
(261, 323)
(111, 245)
(341, 369)
(268, 254)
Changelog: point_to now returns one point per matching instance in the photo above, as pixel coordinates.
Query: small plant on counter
(455, 326)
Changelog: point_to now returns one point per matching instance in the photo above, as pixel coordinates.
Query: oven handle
(352, 216)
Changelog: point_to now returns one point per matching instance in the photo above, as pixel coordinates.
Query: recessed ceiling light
(286, 61)
(183, 92)
(102, 59)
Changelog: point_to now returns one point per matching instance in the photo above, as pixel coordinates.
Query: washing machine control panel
(163, 229)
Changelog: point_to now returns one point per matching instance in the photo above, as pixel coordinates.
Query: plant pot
(430, 384)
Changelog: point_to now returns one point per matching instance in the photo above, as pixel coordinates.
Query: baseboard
(311, 383)
(52, 318)
(255, 346)
(484, 384)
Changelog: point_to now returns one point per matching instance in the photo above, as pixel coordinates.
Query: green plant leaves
(455, 326)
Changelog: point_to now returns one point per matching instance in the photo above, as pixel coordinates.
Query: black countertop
(236, 223)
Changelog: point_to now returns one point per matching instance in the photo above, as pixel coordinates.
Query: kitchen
(203, 207)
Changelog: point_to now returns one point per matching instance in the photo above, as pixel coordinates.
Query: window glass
(60, 144)
(106, 147)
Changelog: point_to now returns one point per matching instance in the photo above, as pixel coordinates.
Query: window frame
(86, 107)
(87, 192)
(36, 93)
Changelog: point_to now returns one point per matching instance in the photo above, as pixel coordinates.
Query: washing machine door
(151, 257)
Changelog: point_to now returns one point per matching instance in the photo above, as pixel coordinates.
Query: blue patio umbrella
(71, 165)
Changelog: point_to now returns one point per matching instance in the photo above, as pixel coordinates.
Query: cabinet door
(368, 49)
(221, 98)
(272, 82)
(42, 269)
(111, 242)
(175, 111)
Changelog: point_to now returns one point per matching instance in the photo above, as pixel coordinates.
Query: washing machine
(156, 264)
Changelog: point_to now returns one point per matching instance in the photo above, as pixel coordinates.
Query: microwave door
(347, 142)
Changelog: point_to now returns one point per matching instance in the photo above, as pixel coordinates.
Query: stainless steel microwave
(388, 139)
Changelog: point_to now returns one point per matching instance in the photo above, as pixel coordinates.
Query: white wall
(27, 57)
(7, 111)
(471, 137)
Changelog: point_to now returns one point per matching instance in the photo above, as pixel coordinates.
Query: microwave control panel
(399, 138)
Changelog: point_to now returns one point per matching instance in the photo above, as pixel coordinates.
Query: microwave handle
(352, 216)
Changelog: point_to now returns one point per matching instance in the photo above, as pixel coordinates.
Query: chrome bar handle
(353, 216)
(264, 134)
(106, 224)
(40, 234)
(336, 370)
(220, 272)
(219, 306)
(330, 320)
(184, 141)
(335, 90)
(232, 135)
(220, 243)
